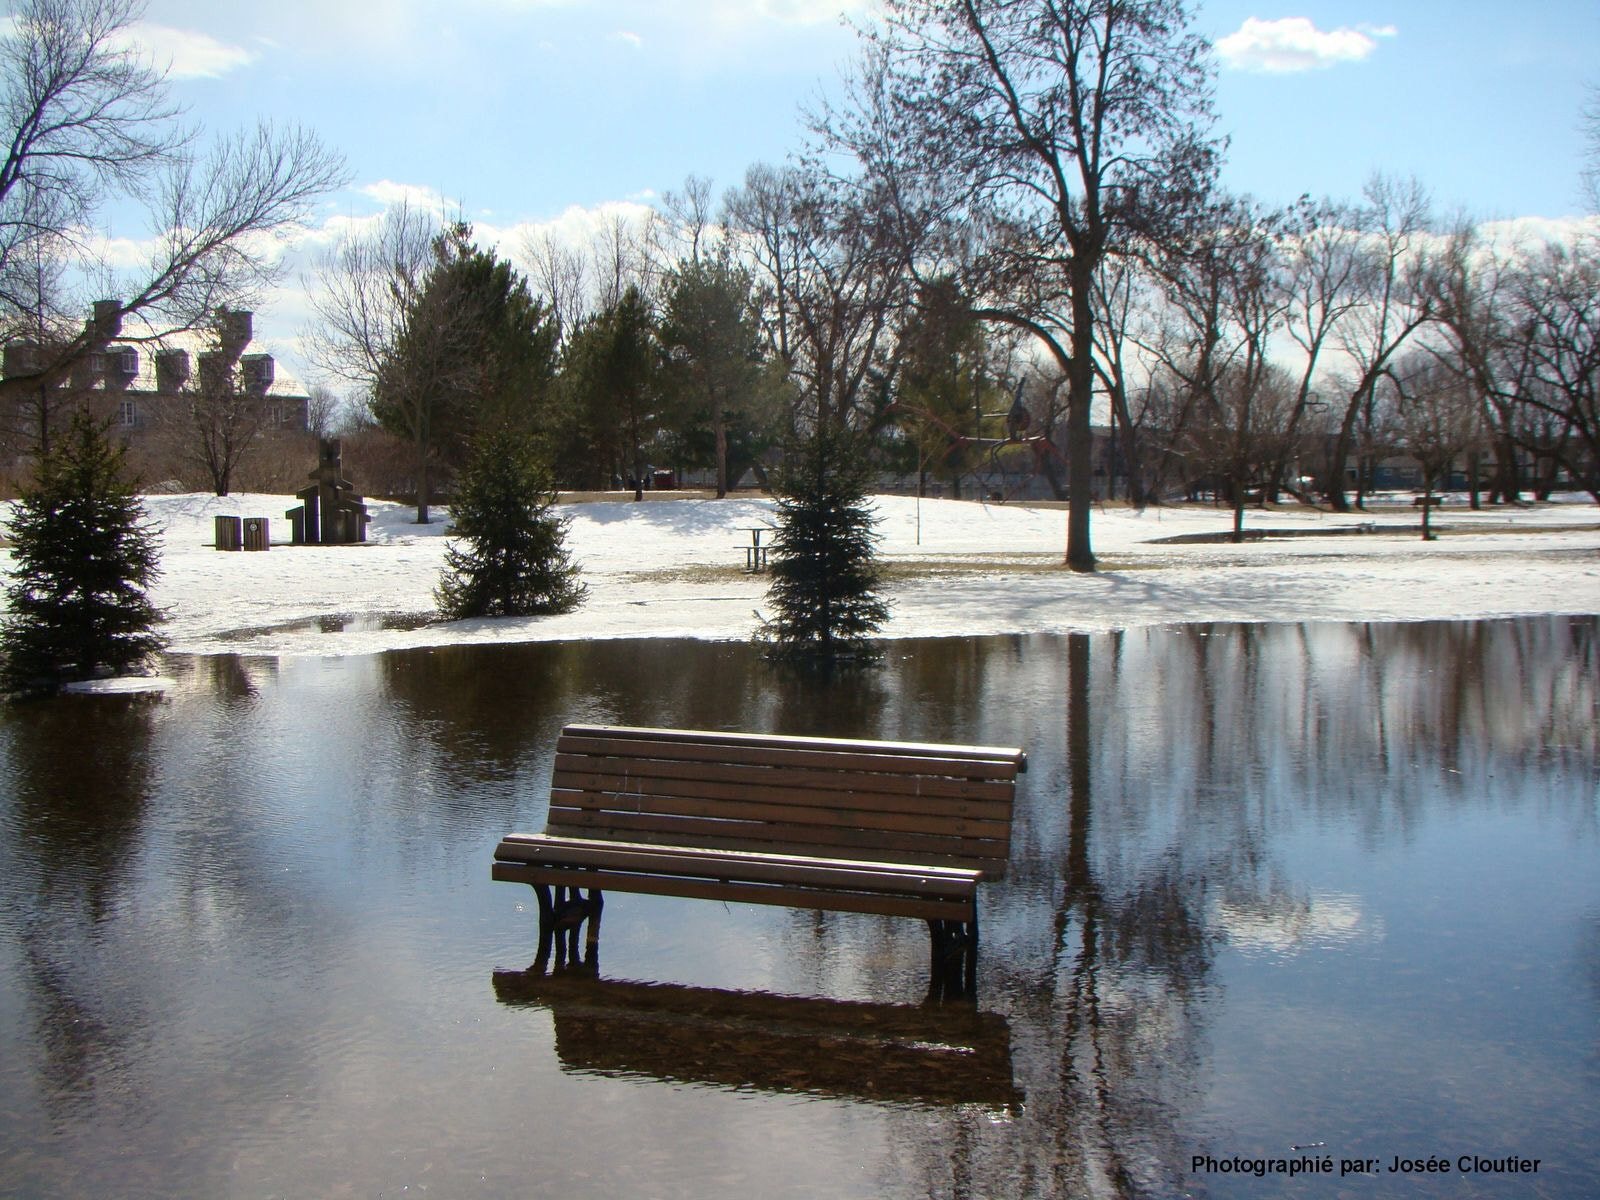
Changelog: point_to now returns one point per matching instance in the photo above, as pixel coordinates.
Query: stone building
(143, 385)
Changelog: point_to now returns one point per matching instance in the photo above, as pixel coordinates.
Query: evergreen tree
(475, 350)
(711, 341)
(509, 559)
(824, 570)
(84, 558)
(613, 373)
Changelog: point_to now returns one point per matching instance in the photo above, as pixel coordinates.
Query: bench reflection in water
(889, 1053)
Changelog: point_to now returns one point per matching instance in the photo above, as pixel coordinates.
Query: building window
(128, 413)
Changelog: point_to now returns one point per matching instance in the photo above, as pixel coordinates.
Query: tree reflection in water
(229, 910)
(78, 770)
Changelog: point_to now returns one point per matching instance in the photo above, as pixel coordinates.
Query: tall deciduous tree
(831, 280)
(1222, 308)
(1436, 419)
(1049, 133)
(85, 559)
(1556, 305)
(88, 123)
(1394, 300)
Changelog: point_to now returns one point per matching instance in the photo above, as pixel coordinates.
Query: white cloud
(185, 53)
(1293, 44)
(387, 192)
(803, 12)
(632, 39)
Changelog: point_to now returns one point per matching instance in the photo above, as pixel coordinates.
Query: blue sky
(521, 110)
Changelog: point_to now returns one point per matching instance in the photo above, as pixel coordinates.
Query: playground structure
(331, 514)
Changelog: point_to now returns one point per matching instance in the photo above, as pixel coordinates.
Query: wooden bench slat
(748, 893)
(734, 868)
(884, 763)
(759, 810)
(874, 843)
(940, 750)
(512, 844)
(890, 788)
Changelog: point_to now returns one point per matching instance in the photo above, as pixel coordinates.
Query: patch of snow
(672, 569)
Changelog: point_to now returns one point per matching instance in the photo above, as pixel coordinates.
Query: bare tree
(365, 296)
(561, 275)
(360, 292)
(1318, 269)
(1556, 299)
(1393, 302)
(758, 213)
(1222, 307)
(1121, 290)
(620, 262)
(1435, 420)
(218, 420)
(685, 227)
(89, 123)
(1050, 132)
(1473, 290)
(831, 281)
(324, 410)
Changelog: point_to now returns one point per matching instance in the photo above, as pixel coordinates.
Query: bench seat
(793, 880)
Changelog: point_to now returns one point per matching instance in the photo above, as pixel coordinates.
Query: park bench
(894, 828)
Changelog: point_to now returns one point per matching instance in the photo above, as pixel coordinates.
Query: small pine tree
(84, 558)
(824, 572)
(510, 560)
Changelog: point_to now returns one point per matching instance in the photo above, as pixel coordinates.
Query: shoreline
(952, 568)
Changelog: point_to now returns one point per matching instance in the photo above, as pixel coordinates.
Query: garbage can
(228, 536)
(257, 533)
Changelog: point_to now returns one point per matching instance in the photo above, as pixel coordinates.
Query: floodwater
(1280, 897)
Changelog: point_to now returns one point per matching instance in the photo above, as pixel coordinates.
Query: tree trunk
(1080, 428)
(422, 484)
(720, 427)
(1338, 456)
(1510, 477)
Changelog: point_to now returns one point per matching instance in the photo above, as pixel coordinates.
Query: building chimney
(172, 370)
(236, 331)
(107, 322)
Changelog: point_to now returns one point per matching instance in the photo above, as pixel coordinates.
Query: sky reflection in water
(1271, 886)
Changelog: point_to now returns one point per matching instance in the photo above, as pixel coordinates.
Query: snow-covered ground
(674, 569)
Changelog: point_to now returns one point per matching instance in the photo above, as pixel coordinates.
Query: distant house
(138, 384)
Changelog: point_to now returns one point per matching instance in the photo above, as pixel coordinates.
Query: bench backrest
(871, 801)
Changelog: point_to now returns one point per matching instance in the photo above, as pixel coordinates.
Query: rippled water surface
(1327, 887)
